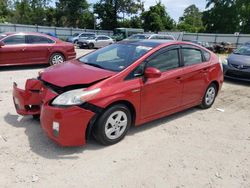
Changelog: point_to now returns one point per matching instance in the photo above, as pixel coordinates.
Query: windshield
(115, 57)
(244, 50)
(138, 37)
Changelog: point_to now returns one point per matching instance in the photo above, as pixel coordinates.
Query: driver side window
(165, 61)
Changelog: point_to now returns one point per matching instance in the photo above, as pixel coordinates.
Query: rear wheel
(56, 58)
(113, 125)
(209, 96)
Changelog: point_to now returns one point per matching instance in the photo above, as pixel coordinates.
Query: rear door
(195, 74)
(13, 52)
(38, 49)
(163, 94)
(101, 41)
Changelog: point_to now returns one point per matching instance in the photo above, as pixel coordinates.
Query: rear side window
(191, 56)
(102, 38)
(207, 55)
(16, 39)
(32, 39)
(165, 61)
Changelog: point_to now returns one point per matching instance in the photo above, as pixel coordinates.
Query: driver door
(14, 50)
(163, 94)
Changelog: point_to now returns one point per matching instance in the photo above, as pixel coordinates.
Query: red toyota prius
(128, 83)
(26, 48)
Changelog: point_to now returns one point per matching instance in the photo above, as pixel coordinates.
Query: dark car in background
(25, 48)
(237, 65)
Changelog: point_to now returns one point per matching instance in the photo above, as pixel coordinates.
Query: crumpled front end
(66, 126)
(29, 100)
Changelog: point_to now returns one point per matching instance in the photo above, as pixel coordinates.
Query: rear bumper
(237, 74)
(71, 55)
(72, 122)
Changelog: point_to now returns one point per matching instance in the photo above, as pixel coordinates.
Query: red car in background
(123, 84)
(33, 48)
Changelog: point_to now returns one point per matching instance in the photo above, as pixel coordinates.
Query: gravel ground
(195, 148)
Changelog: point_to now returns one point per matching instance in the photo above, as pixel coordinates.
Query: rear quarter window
(207, 56)
(191, 56)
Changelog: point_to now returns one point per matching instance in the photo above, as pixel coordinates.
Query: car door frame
(15, 52)
(174, 76)
(190, 74)
(40, 52)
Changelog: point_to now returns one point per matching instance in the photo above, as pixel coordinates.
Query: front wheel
(56, 58)
(113, 125)
(209, 97)
(91, 45)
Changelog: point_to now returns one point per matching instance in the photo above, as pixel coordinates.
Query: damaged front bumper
(29, 100)
(66, 126)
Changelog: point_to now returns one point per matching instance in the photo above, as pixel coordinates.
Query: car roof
(102, 36)
(88, 33)
(29, 33)
(156, 43)
(149, 43)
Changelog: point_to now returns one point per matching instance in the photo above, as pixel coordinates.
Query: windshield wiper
(94, 65)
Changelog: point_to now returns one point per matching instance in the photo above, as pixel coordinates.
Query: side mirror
(152, 72)
(1, 43)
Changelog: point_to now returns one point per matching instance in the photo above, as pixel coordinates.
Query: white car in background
(95, 42)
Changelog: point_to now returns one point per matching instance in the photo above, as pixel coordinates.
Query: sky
(175, 8)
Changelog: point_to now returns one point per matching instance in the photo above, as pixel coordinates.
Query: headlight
(75, 97)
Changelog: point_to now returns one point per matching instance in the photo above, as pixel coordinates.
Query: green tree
(222, 17)
(191, 21)
(109, 11)
(22, 13)
(157, 19)
(30, 12)
(243, 7)
(74, 13)
(4, 10)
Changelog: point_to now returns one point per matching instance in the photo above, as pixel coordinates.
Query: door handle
(204, 70)
(178, 79)
(23, 49)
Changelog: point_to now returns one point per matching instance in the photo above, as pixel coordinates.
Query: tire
(91, 45)
(209, 97)
(112, 125)
(56, 58)
(36, 116)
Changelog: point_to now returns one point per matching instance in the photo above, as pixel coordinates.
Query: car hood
(74, 73)
(239, 59)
